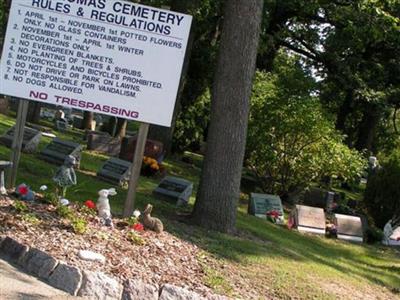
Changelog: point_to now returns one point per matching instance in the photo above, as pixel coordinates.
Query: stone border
(93, 285)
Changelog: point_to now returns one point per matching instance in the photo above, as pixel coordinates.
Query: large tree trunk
(367, 128)
(219, 188)
(87, 120)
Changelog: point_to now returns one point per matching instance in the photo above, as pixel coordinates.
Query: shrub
(382, 195)
(79, 225)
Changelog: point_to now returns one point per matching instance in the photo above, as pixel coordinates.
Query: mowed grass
(261, 261)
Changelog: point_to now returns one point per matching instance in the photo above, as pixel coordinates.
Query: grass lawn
(262, 260)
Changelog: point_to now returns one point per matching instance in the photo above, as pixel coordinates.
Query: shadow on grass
(261, 242)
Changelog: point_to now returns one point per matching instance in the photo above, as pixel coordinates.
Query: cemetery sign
(111, 57)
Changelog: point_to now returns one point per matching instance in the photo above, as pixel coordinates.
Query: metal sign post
(17, 141)
(135, 170)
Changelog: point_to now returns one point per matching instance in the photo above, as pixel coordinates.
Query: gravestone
(77, 122)
(349, 228)
(30, 140)
(58, 150)
(315, 197)
(310, 219)
(396, 235)
(104, 143)
(115, 171)
(153, 149)
(176, 189)
(62, 126)
(261, 204)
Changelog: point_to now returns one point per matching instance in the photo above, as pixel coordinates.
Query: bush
(382, 195)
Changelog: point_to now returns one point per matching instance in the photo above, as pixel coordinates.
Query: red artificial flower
(90, 204)
(138, 227)
(274, 214)
(23, 190)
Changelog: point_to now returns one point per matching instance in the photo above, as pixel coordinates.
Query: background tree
(215, 207)
(292, 142)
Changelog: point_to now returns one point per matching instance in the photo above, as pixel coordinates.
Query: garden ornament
(103, 205)
(65, 175)
(150, 222)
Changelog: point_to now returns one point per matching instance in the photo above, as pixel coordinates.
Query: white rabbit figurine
(103, 205)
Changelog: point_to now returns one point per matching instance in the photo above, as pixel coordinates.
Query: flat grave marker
(58, 149)
(349, 228)
(174, 188)
(30, 140)
(115, 171)
(310, 219)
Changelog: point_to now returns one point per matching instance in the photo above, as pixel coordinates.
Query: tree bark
(367, 128)
(219, 188)
(87, 120)
(34, 112)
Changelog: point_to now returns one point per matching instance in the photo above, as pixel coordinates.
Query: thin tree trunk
(219, 188)
(87, 120)
(121, 127)
(344, 111)
(34, 112)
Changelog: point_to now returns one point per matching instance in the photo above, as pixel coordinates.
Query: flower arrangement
(134, 223)
(275, 216)
(150, 166)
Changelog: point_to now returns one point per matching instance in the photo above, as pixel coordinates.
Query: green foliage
(79, 225)
(191, 125)
(51, 198)
(135, 238)
(291, 142)
(20, 206)
(31, 218)
(374, 235)
(382, 195)
(65, 212)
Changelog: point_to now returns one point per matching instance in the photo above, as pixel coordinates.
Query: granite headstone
(153, 149)
(30, 140)
(349, 228)
(104, 143)
(176, 189)
(57, 150)
(115, 171)
(310, 219)
(261, 204)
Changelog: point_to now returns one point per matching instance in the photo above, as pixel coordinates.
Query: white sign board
(111, 57)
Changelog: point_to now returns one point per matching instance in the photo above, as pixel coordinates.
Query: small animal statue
(151, 223)
(65, 175)
(103, 205)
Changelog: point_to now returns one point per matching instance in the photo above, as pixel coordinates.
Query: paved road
(14, 284)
